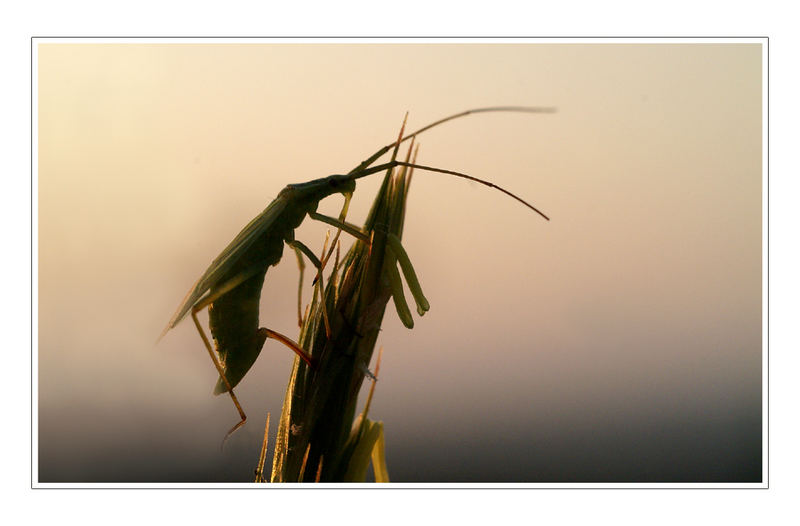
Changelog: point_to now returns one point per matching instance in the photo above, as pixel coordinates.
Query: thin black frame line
(766, 178)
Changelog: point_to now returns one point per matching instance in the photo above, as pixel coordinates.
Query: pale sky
(633, 316)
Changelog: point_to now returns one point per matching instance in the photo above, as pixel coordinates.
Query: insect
(231, 286)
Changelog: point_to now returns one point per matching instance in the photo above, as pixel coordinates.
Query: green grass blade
(379, 457)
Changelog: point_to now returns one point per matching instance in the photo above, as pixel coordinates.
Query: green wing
(225, 261)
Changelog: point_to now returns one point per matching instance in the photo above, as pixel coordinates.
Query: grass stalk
(319, 437)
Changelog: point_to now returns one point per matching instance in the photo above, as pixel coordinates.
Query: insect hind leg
(221, 372)
(275, 335)
(202, 304)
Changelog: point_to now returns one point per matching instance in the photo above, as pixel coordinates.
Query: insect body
(231, 286)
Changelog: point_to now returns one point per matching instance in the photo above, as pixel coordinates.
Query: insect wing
(228, 257)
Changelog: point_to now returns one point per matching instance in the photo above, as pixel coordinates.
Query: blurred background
(621, 341)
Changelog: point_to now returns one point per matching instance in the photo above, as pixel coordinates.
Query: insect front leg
(341, 225)
(399, 254)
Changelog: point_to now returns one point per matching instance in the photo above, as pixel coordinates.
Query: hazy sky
(620, 341)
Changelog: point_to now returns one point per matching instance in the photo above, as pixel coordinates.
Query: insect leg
(342, 216)
(299, 248)
(202, 304)
(221, 372)
(342, 225)
(399, 253)
(401, 256)
(302, 266)
(275, 335)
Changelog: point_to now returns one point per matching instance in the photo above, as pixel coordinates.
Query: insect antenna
(513, 109)
(390, 164)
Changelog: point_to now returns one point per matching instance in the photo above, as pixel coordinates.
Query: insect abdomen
(233, 320)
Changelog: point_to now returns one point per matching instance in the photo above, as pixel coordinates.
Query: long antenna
(392, 164)
(514, 109)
